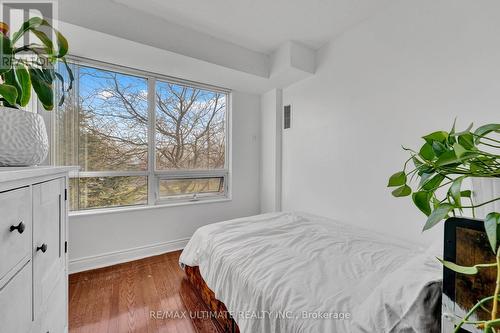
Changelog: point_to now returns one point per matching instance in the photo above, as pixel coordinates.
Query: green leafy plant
(32, 66)
(433, 177)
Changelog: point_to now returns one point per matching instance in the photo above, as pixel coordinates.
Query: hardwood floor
(121, 298)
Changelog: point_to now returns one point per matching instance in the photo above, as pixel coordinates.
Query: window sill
(117, 210)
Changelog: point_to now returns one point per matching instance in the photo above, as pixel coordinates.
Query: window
(141, 139)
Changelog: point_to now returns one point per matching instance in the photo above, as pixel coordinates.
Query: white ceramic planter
(486, 189)
(23, 138)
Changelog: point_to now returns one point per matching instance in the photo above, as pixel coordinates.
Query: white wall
(101, 239)
(270, 164)
(407, 71)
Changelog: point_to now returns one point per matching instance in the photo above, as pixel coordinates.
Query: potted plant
(23, 136)
(437, 172)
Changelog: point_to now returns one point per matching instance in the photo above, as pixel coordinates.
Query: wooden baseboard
(112, 258)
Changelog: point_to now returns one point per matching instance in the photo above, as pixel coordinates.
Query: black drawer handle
(42, 248)
(20, 227)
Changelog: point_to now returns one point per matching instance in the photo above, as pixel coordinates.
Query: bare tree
(190, 128)
(112, 115)
(189, 122)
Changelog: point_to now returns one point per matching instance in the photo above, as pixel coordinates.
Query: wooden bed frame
(218, 309)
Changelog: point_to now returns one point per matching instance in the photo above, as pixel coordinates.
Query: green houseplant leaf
(438, 148)
(467, 270)
(455, 191)
(439, 214)
(439, 136)
(451, 136)
(492, 231)
(33, 25)
(485, 129)
(459, 150)
(11, 79)
(447, 158)
(62, 43)
(42, 88)
(19, 78)
(402, 191)
(24, 81)
(397, 179)
(422, 200)
(9, 93)
(427, 152)
(430, 184)
(466, 140)
(6, 54)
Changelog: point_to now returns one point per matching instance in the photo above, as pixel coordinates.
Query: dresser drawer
(15, 229)
(48, 240)
(15, 303)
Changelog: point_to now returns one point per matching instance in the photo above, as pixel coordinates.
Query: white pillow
(407, 300)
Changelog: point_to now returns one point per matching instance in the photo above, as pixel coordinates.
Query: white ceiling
(262, 25)
(228, 43)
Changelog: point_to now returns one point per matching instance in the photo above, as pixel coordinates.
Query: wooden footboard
(218, 308)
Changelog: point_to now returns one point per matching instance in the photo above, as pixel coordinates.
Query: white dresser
(33, 250)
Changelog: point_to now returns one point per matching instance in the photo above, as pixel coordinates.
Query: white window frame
(153, 175)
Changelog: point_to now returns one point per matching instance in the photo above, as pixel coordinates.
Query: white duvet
(294, 272)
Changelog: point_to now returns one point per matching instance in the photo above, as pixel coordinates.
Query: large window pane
(113, 121)
(191, 186)
(103, 128)
(190, 127)
(100, 192)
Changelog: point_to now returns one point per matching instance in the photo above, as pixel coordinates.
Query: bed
(296, 272)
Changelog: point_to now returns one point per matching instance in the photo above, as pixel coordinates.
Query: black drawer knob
(42, 248)
(20, 227)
